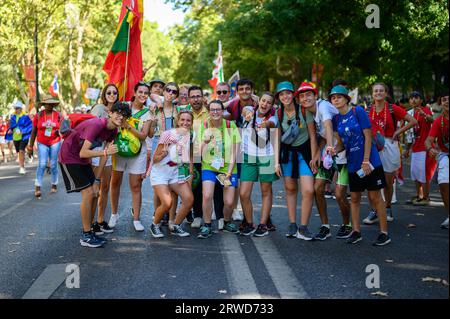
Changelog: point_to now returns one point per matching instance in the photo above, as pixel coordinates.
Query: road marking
(13, 208)
(242, 284)
(47, 283)
(281, 274)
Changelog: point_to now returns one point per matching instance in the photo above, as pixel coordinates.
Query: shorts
(326, 174)
(20, 145)
(390, 156)
(163, 174)
(210, 176)
(372, 182)
(303, 167)
(258, 169)
(135, 165)
(342, 175)
(96, 160)
(443, 168)
(77, 177)
(2, 140)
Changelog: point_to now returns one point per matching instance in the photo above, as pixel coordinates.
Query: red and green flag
(124, 61)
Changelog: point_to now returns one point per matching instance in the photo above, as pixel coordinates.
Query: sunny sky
(163, 14)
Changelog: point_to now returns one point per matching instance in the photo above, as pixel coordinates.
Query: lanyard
(385, 117)
(46, 121)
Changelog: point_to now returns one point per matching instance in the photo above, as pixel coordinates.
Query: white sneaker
(22, 171)
(30, 160)
(138, 225)
(197, 223)
(237, 216)
(113, 220)
(220, 223)
(445, 224)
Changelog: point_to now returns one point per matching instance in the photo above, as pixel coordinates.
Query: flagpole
(125, 84)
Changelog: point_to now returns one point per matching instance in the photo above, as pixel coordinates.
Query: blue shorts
(303, 167)
(210, 176)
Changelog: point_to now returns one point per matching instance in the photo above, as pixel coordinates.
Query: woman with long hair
(383, 118)
(171, 170)
(137, 165)
(295, 157)
(109, 96)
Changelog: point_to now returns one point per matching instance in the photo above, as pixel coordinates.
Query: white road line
(240, 279)
(281, 274)
(46, 284)
(13, 208)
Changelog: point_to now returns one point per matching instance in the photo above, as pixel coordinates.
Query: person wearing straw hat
(21, 126)
(46, 132)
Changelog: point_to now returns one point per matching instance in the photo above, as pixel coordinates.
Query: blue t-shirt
(350, 129)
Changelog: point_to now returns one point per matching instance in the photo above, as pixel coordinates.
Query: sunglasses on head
(175, 92)
(144, 83)
(222, 92)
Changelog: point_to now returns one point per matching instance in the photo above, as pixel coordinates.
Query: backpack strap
(394, 120)
(139, 114)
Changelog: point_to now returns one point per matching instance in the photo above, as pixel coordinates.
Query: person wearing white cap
(21, 126)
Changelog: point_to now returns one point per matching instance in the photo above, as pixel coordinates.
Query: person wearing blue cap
(21, 126)
(353, 133)
(298, 143)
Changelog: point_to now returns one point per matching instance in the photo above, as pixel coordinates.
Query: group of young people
(202, 156)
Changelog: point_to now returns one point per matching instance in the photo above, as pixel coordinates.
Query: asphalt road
(38, 236)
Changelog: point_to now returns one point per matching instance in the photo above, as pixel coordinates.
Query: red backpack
(71, 121)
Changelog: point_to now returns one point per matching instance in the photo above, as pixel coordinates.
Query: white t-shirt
(326, 111)
(249, 146)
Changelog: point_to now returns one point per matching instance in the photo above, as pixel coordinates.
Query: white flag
(354, 96)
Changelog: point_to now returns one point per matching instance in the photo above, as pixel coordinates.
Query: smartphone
(361, 173)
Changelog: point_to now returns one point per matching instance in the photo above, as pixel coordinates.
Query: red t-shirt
(439, 130)
(421, 130)
(47, 125)
(382, 122)
(3, 129)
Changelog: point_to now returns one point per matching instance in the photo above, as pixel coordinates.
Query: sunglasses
(175, 92)
(111, 93)
(222, 92)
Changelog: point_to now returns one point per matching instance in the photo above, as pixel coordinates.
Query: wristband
(366, 162)
(97, 180)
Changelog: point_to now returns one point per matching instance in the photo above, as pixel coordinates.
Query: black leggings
(198, 198)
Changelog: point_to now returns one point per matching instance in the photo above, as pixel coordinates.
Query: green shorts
(325, 174)
(258, 169)
(342, 175)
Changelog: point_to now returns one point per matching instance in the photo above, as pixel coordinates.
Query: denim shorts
(210, 176)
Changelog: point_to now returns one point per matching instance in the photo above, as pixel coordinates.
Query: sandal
(37, 193)
(54, 189)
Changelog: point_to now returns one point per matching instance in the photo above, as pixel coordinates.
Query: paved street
(39, 234)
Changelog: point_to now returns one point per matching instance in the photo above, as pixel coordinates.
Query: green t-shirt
(304, 135)
(220, 146)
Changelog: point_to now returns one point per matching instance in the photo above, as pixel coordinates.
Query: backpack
(128, 144)
(71, 121)
(266, 118)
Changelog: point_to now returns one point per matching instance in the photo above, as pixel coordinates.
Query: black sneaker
(178, 231)
(270, 226)
(101, 239)
(292, 231)
(104, 227)
(189, 218)
(156, 231)
(304, 233)
(96, 229)
(382, 239)
(344, 232)
(261, 231)
(249, 230)
(89, 240)
(324, 233)
(242, 226)
(354, 238)
(165, 220)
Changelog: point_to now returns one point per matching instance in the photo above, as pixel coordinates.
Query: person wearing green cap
(353, 133)
(298, 143)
